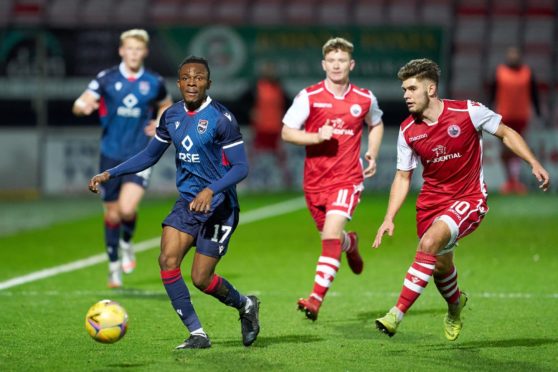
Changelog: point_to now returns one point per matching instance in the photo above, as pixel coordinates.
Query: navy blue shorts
(110, 190)
(211, 231)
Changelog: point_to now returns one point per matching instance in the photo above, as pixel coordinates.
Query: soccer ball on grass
(106, 321)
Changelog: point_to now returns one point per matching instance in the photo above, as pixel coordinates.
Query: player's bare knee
(168, 262)
(428, 244)
(200, 280)
(127, 214)
(112, 217)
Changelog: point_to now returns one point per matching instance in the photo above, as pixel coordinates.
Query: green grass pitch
(509, 267)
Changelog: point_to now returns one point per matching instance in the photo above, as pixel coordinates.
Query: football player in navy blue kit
(125, 96)
(210, 161)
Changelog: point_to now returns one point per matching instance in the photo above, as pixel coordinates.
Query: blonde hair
(135, 33)
(337, 43)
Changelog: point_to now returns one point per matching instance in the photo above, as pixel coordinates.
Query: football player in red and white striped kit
(446, 136)
(328, 119)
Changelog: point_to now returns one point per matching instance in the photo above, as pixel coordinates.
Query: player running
(327, 118)
(446, 136)
(124, 96)
(210, 161)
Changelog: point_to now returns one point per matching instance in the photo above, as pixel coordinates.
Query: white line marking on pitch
(157, 293)
(247, 217)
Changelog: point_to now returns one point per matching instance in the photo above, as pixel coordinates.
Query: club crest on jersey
(202, 126)
(118, 85)
(355, 110)
(144, 87)
(454, 130)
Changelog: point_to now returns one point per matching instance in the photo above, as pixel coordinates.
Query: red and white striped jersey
(336, 162)
(450, 151)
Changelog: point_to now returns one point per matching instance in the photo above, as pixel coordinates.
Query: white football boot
(115, 274)
(128, 257)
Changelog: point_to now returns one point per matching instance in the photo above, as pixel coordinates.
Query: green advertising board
(236, 53)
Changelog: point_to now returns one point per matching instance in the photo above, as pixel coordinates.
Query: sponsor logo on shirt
(441, 155)
(128, 110)
(338, 129)
(202, 126)
(454, 131)
(418, 137)
(118, 85)
(187, 156)
(176, 124)
(322, 105)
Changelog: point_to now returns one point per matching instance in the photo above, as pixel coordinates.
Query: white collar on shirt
(127, 75)
(203, 105)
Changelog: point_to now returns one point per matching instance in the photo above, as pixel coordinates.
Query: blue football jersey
(125, 108)
(200, 138)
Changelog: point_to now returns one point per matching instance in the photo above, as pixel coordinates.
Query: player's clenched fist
(325, 132)
(97, 180)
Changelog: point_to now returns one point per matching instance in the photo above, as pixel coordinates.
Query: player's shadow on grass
(373, 315)
(481, 345)
(265, 341)
(110, 367)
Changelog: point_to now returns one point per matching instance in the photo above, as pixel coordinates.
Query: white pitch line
(247, 217)
(157, 293)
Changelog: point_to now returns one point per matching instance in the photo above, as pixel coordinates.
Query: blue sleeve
(162, 93)
(236, 156)
(228, 131)
(162, 132)
(142, 160)
(96, 85)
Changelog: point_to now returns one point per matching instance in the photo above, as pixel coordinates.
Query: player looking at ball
(210, 161)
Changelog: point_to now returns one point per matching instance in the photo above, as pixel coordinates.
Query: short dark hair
(194, 59)
(420, 69)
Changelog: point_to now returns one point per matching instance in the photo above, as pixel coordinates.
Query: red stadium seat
(301, 11)
(437, 12)
(28, 11)
(368, 12)
(267, 12)
(402, 11)
(334, 12)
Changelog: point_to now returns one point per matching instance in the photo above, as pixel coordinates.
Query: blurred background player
(328, 119)
(445, 135)
(210, 161)
(513, 93)
(125, 96)
(268, 102)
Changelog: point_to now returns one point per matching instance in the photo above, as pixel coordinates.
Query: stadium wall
(67, 159)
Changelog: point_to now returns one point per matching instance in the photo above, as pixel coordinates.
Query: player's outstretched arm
(399, 190)
(85, 104)
(143, 160)
(304, 138)
(518, 146)
(375, 135)
(97, 180)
